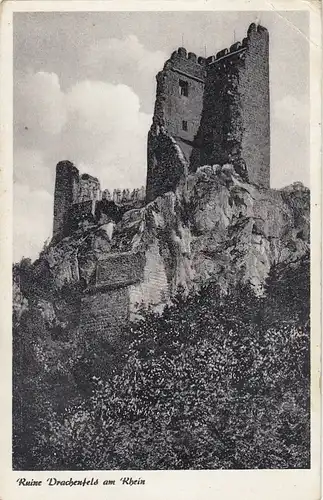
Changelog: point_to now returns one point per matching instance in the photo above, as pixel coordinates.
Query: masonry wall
(235, 123)
(220, 133)
(105, 306)
(177, 118)
(104, 312)
(89, 188)
(120, 269)
(255, 105)
(66, 193)
(78, 200)
(167, 165)
(183, 70)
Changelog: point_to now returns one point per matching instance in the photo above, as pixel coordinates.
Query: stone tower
(215, 110)
(176, 121)
(66, 192)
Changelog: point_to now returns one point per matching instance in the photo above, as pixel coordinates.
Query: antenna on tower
(205, 51)
(182, 40)
(234, 36)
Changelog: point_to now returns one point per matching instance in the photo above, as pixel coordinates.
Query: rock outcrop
(214, 227)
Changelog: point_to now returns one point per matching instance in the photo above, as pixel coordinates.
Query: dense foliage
(211, 383)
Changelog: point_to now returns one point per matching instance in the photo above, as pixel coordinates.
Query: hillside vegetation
(211, 383)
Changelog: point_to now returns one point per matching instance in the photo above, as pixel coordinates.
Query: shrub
(211, 383)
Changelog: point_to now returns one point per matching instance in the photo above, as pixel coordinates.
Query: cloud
(107, 133)
(39, 103)
(126, 61)
(32, 212)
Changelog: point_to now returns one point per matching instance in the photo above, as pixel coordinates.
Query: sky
(84, 90)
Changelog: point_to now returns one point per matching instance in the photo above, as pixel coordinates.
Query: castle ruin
(79, 199)
(212, 111)
(216, 111)
(207, 111)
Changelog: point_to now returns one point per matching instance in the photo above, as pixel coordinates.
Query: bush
(210, 384)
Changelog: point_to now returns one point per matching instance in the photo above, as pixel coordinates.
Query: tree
(204, 385)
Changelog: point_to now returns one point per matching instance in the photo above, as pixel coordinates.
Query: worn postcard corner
(161, 250)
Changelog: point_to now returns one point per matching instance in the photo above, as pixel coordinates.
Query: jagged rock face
(239, 230)
(221, 227)
(168, 166)
(216, 226)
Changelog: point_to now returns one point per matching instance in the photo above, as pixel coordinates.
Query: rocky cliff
(214, 227)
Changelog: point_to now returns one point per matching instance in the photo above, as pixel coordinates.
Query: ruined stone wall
(121, 196)
(89, 188)
(167, 165)
(235, 124)
(74, 198)
(255, 105)
(81, 212)
(183, 78)
(105, 306)
(220, 132)
(104, 312)
(119, 269)
(66, 192)
(79, 200)
(177, 115)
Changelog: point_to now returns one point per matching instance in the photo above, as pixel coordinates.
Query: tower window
(183, 88)
(184, 125)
